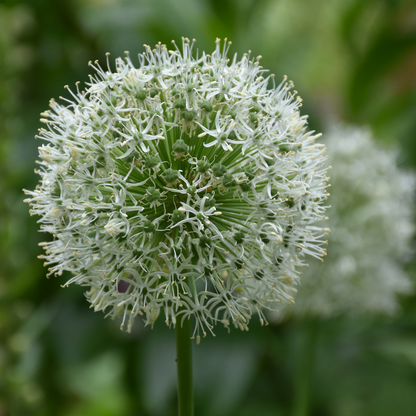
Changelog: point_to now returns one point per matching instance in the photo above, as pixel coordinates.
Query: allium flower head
(181, 187)
(371, 230)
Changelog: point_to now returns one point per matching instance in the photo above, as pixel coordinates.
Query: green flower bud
(219, 169)
(207, 106)
(188, 115)
(203, 166)
(152, 194)
(180, 146)
(191, 190)
(171, 175)
(245, 187)
(148, 226)
(210, 202)
(228, 180)
(238, 237)
(150, 162)
(141, 95)
(204, 241)
(190, 88)
(180, 103)
(178, 216)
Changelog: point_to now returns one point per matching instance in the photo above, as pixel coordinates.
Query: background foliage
(351, 60)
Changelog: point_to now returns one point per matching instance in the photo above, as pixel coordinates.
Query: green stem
(305, 370)
(184, 363)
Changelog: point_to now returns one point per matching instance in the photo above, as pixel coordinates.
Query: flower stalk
(184, 366)
(305, 370)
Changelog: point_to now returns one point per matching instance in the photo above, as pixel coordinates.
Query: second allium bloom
(183, 188)
(372, 230)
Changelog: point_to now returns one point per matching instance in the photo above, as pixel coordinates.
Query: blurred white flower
(169, 189)
(371, 221)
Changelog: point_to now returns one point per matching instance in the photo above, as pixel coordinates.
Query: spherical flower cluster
(183, 187)
(371, 231)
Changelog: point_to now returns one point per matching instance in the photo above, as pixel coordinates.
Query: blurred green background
(351, 61)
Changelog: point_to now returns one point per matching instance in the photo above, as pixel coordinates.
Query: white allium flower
(183, 187)
(371, 230)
